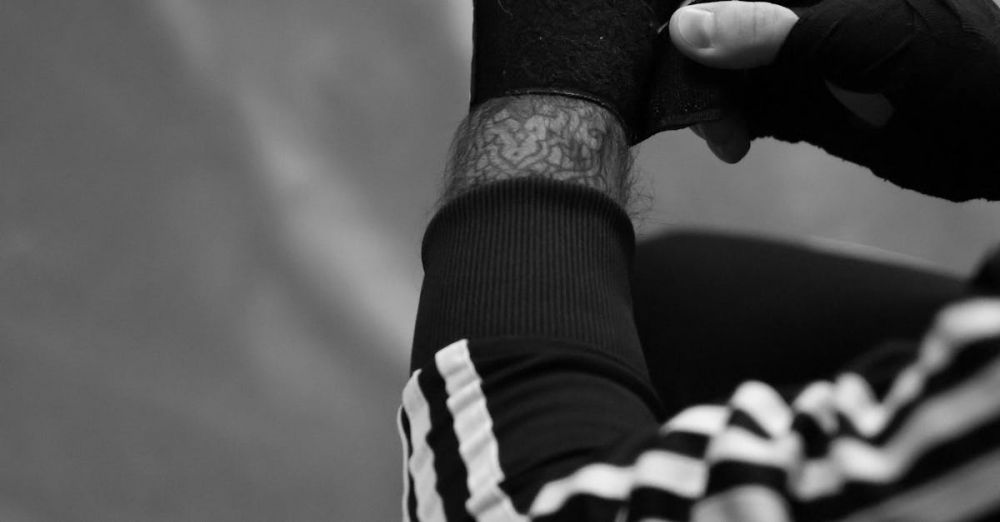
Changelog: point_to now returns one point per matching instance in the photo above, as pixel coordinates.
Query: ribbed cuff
(529, 258)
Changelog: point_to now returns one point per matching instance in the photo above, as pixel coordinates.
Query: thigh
(714, 310)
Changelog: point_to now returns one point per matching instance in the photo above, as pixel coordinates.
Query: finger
(731, 35)
(727, 138)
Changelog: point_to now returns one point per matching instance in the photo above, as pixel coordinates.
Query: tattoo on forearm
(548, 137)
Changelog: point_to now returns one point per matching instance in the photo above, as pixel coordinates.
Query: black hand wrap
(684, 92)
(938, 63)
(604, 51)
(598, 50)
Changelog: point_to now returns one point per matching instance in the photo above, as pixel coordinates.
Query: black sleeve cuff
(529, 257)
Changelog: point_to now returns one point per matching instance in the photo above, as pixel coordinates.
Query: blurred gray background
(210, 215)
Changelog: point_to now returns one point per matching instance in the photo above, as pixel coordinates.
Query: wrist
(546, 137)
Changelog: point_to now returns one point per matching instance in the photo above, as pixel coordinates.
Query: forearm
(532, 239)
(544, 137)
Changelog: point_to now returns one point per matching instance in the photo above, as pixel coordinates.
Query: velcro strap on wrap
(598, 50)
(683, 91)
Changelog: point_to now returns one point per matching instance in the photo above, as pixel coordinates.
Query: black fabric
(714, 310)
(726, 475)
(684, 92)
(529, 257)
(599, 50)
(938, 63)
(647, 503)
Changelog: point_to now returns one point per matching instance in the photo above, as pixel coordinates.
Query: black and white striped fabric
(517, 429)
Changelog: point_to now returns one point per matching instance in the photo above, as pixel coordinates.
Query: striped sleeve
(526, 361)
(926, 447)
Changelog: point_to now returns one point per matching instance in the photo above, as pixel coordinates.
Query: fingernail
(695, 27)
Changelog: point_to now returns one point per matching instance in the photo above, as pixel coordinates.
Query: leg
(714, 310)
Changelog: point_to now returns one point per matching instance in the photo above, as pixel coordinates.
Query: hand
(930, 70)
(744, 35)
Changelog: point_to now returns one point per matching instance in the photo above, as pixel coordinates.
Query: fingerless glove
(937, 62)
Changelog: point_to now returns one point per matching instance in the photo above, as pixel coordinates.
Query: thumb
(733, 34)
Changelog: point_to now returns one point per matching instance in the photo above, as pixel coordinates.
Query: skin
(550, 137)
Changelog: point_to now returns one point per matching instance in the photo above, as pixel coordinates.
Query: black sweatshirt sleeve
(529, 257)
